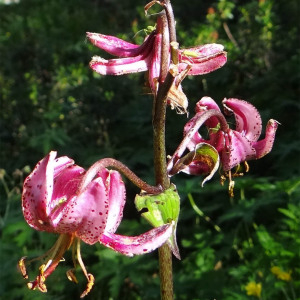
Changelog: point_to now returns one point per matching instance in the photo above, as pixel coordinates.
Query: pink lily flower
(138, 58)
(134, 58)
(56, 200)
(234, 145)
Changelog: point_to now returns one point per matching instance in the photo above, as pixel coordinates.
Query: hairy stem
(160, 162)
(165, 272)
(159, 109)
(110, 162)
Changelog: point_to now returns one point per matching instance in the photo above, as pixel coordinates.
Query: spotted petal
(119, 47)
(265, 145)
(238, 149)
(247, 118)
(116, 198)
(38, 189)
(154, 68)
(216, 137)
(204, 59)
(86, 214)
(120, 66)
(65, 186)
(136, 245)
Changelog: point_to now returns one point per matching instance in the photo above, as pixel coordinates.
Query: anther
(91, 281)
(22, 267)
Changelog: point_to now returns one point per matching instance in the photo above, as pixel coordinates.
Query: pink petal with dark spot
(237, 149)
(136, 245)
(207, 103)
(264, 146)
(116, 198)
(216, 139)
(247, 118)
(86, 214)
(60, 163)
(120, 66)
(154, 68)
(37, 191)
(119, 47)
(65, 187)
(205, 59)
(196, 138)
(200, 52)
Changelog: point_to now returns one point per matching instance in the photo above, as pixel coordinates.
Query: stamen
(55, 254)
(79, 258)
(222, 179)
(22, 267)
(90, 278)
(91, 281)
(246, 167)
(71, 276)
(231, 185)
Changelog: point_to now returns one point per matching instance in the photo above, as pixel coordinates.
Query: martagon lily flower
(56, 199)
(241, 144)
(234, 146)
(138, 58)
(134, 58)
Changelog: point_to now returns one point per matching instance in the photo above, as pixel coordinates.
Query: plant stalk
(160, 161)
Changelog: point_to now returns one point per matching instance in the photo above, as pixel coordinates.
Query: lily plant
(87, 204)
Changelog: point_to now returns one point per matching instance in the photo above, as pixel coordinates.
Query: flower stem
(160, 160)
(110, 162)
(162, 179)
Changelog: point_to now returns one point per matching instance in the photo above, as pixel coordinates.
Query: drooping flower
(231, 146)
(138, 58)
(56, 200)
(134, 58)
(253, 289)
(234, 145)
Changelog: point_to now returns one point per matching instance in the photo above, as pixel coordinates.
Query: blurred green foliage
(50, 99)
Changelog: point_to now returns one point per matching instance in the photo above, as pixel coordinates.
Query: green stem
(165, 272)
(160, 160)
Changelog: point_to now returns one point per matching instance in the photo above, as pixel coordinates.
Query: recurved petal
(204, 104)
(216, 138)
(196, 138)
(238, 149)
(116, 199)
(247, 118)
(136, 245)
(39, 187)
(265, 145)
(203, 59)
(200, 52)
(120, 66)
(61, 163)
(112, 44)
(119, 47)
(85, 214)
(37, 192)
(154, 68)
